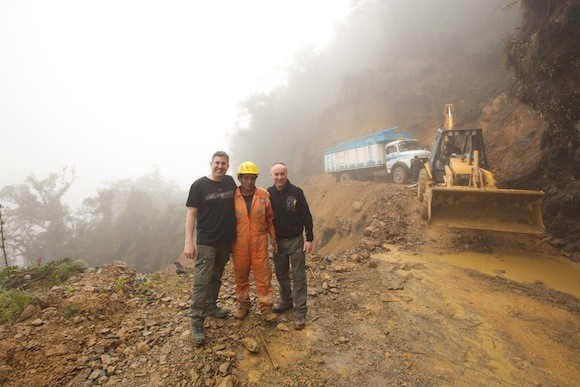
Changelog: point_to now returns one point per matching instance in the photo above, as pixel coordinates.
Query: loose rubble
(375, 318)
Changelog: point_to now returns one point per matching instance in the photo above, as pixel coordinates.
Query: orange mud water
(525, 338)
(554, 272)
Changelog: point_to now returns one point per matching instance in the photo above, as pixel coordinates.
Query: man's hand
(307, 247)
(273, 245)
(189, 250)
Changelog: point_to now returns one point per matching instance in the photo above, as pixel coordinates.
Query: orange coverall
(250, 251)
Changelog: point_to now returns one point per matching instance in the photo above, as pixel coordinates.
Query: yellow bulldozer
(458, 190)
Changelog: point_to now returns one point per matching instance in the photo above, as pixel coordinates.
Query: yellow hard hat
(248, 168)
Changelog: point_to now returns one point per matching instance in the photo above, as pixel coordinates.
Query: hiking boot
(197, 333)
(299, 323)
(241, 313)
(270, 316)
(198, 338)
(281, 308)
(217, 312)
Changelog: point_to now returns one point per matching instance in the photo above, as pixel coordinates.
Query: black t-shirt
(216, 215)
(248, 199)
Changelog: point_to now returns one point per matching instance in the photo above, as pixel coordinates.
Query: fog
(135, 96)
(117, 89)
(389, 63)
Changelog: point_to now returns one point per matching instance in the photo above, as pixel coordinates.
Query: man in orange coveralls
(255, 221)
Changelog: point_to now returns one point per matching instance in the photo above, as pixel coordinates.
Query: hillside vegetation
(545, 56)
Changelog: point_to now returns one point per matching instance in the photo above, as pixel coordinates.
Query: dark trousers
(209, 265)
(290, 254)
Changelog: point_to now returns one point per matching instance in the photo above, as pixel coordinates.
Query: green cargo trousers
(209, 265)
(292, 291)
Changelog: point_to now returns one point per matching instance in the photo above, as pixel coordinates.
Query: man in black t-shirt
(210, 213)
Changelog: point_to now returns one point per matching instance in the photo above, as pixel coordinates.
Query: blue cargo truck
(386, 153)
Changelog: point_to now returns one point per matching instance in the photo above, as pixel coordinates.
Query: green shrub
(61, 270)
(53, 273)
(12, 303)
(6, 274)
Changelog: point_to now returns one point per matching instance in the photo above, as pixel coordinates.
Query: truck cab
(398, 156)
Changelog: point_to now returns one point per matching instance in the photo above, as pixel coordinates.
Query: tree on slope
(38, 225)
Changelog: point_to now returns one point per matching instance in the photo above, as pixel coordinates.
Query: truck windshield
(408, 145)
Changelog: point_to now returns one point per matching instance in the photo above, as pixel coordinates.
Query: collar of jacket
(285, 188)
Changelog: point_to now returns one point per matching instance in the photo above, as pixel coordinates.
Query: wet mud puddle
(554, 272)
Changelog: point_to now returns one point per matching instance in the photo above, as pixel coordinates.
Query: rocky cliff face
(546, 60)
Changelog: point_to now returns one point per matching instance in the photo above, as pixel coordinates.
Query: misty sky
(117, 88)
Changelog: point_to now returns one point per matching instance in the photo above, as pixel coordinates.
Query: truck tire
(421, 184)
(400, 174)
(345, 176)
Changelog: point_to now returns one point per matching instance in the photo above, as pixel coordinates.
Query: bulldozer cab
(457, 143)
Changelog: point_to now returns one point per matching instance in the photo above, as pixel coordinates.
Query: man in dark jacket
(292, 219)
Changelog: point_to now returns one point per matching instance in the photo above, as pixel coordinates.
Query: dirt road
(417, 320)
(391, 303)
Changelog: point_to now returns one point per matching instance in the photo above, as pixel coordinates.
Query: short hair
(278, 163)
(220, 154)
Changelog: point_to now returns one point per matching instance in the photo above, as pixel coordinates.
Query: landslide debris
(380, 313)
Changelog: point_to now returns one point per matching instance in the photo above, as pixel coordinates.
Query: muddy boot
(217, 312)
(299, 323)
(269, 316)
(282, 307)
(197, 333)
(241, 313)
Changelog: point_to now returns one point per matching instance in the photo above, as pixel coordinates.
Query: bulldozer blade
(506, 210)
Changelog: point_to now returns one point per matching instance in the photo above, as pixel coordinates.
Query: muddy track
(385, 308)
